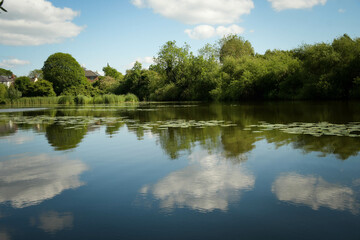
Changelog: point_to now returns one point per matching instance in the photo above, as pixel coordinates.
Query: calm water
(181, 171)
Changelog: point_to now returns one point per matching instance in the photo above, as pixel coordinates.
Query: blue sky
(120, 32)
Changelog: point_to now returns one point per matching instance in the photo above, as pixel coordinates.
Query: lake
(279, 170)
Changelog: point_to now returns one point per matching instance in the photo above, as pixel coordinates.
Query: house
(34, 79)
(7, 80)
(91, 76)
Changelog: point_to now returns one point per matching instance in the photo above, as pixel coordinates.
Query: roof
(89, 73)
(5, 79)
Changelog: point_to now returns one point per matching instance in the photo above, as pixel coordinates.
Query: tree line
(228, 70)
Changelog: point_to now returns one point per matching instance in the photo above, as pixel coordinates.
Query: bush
(109, 99)
(97, 100)
(82, 100)
(66, 100)
(131, 98)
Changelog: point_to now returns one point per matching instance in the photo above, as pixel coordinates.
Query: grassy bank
(72, 100)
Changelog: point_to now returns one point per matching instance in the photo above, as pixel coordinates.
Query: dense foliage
(227, 71)
(63, 71)
(231, 71)
(5, 72)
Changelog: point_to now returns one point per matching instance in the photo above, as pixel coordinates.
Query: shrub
(66, 100)
(131, 98)
(82, 99)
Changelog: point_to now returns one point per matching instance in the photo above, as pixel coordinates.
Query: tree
(107, 84)
(172, 61)
(3, 91)
(5, 72)
(234, 46)
(112, 72)
(24, 85)
(208, 52)
(63, 71)
(13, 93)
(36, 73)
(136, 81)
(43, 88)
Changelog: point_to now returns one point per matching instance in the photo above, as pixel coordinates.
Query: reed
(66, 100)
(70, 100)
(36, 101)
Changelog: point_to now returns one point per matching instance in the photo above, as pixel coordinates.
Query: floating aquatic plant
(351, 129)
(73, 122)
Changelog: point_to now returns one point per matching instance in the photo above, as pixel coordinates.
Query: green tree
(3, 91)
(84, 89)
(63, 71)
(36, 73)
(107, 84)
(24, 85)
(5, 72)
(112, 72)
(234, 46)
(209, 52)
(172, 61)
(43, 88)
(348, 68)
(13, 93)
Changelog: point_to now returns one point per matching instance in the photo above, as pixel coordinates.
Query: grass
(79, 100)
(35, 101)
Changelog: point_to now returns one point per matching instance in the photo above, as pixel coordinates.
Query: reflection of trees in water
(341, 147)
(62, 138)
(7, 128)
(113, 128)
(237, 142)
(234, 141)
(176, 140)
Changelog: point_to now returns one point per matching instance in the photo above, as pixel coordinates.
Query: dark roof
(5, 79)
(89, 73)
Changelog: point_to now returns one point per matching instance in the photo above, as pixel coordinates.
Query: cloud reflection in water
(29, 180)
(314, 192)
(53, 222)
(209, 183)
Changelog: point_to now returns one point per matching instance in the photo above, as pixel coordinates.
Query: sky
(120, 32)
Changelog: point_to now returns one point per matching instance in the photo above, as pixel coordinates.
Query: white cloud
(145, 62)
(314, 192)
(209, 183)
(280, 5)
(342, 10)
(233, 29)
(199, 11)
(12, 62)
(207, 31)
(29, 180)
(201, 32)
(36, 22)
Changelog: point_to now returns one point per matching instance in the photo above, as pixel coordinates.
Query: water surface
(181, 171)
